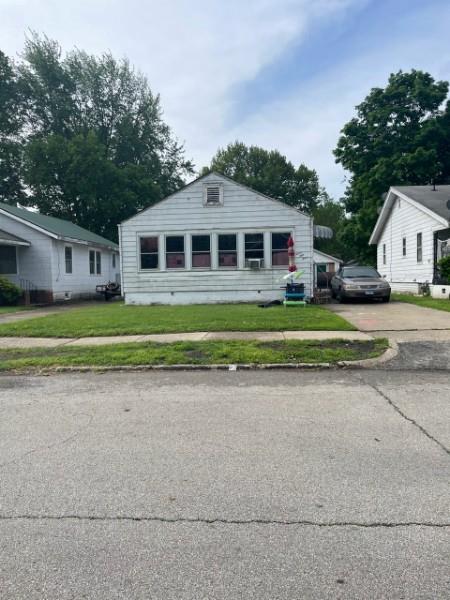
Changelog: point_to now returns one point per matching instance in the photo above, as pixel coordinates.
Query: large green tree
(400, 135)
(11, 120)
(270, 173)
(96, 148)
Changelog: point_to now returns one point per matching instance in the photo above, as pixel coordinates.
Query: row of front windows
(201, 250)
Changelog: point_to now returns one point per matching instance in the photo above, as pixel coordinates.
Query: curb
(387, 355)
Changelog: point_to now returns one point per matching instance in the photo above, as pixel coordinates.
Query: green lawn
(117, 319)
(426, 301)
(197, 353)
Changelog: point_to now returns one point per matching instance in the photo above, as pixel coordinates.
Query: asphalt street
(225, 485)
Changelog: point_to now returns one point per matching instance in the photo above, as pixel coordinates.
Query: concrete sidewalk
(35, 342)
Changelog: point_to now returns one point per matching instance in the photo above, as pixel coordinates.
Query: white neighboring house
(325, 263)
(412, 233)
(213, 241)
(51, 258)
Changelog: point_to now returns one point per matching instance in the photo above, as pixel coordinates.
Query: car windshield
(353, 272)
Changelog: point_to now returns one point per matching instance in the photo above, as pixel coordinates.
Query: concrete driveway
(395, 317)
(187, 486)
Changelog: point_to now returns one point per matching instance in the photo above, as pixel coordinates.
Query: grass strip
(426, 301)
(193, 353)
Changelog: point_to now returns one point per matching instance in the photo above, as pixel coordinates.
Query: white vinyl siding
(42, 265)
(406, 222)
(184, 213)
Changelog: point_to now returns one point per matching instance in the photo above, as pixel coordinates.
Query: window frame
(91, 262)
(16, 259)
(172, 235)
(235, 251)
(403, 247)
(261, 233)
(140, 253)
(67, 247)
(384, 254)
(419, 247)
(272, 233)
(113, 260)
(98, 262)
(196, 252)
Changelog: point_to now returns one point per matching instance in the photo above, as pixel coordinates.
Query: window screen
(419, 247)
(68, 259)
(149, 252)
(227, 243)
(175, 252)
(254, 245)
(280, 249)
(201, 251)
(92, 262)
(8, 260)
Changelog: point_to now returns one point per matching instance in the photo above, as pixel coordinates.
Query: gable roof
(423, 197)
(58, 228)
(435, 200)
(10, 239)
(219, 176)
(332, 258)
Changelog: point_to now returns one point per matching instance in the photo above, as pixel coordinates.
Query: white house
(412, 233)
(325, 263)
(213, 241)
(51, 258)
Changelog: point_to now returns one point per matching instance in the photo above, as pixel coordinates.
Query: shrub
(9, 292)
(444, 268)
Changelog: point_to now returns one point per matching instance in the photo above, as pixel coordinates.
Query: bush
(9, 293)
(444, 268)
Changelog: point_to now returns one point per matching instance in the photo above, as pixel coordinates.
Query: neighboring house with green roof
(53, 258)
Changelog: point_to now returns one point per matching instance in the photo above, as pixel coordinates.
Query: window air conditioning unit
(254, 263)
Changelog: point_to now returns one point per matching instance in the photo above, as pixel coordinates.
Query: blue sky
(282, 74)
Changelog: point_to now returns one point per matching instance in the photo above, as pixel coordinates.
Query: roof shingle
(58, 227)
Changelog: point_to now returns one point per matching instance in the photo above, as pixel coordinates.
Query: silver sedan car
(359, 282)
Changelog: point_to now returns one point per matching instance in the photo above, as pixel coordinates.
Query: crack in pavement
(399, 411)
(222, 521)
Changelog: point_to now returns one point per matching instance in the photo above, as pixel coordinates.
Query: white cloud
(197, 53)
(193, 53)
(306, 125)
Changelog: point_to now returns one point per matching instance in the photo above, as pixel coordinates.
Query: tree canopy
(399, 136)
(93, 144)
(270, 173)
(11, 120)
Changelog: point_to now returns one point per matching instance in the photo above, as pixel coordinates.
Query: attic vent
(213, 195)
